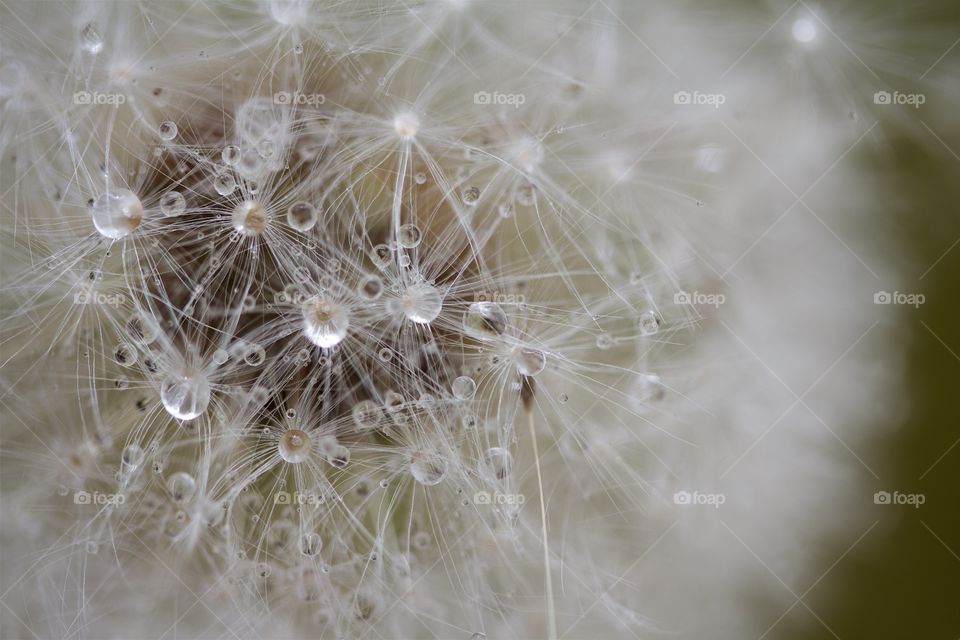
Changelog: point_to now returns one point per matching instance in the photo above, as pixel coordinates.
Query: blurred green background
(902, 580)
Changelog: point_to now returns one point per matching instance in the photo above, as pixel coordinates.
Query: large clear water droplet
(182, 486)
(422, 302)
(325, 321)
(117, 214)
(185, 395)
(529, 362)
(484, 320)
(295, 446)
(428, 468)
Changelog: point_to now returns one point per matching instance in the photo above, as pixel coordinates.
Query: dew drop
(499, 462)
(420, 177)
(117, 214)
(649, 323)
(366, 414)
(294, 446)
(428, 468)
(604, 341)
(182, 486)
(167, 130)
(124, 354)
(370, 288)
(409, 236)
(338, 456)
(132, 457)
(421, 302)
(464, 387)
(325, 322)
(90, 39)
(185, 395)
(310, 544)
(302, 216)
(471, 195)
(230, 155)
(529, 362)
(254, 355)
(224, 183)
(249, 217)
(406, 125)
(172, 203)
(484, 320)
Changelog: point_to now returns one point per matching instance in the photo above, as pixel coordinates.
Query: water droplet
(409, 236)
(172, 203)
(131, 457)
(406, 125)
(370, 288)
(366, 414)
(264, 570)
(302, 216)
(220, 356)
(124, 354)
(604, 341)
(250, 218)
(381, 255)
(224, 183)
(420, 177)
(168, 130)
(230, 155)
(484, 321)
(325, 322)
(428, 468)
(310, 544)
(294, 446)
(181, 486)
(464, 387)
(185, 395)
(254, 355)
(338, 456)
(90, 39)
(298, 48)
(647, 388)
(267, 148)
(422, 302)
(117, 214)
(471, 195)
(649, 323)
(499, 462)
(529, 362)
(505, 209)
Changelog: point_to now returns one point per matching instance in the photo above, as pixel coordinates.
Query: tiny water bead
(529, 362)
(325, 321)
(338, 456)
(409, 236)
(167, 130)
(90, 39)
(254, 355)
(294, 446)
(471, 195)
(310, 544)
(230, 155)
(484, 321)
(428, 468)
(302, 216)
(117, 214)
(406, 125)
(370, 288)
(421, 302)
(185, 395)
(381, 255)
(499, 462)
(649, 323)
(464, 387)
(172, 203)
(182, 486)
(604, 341)
(224, 183)
(250, 217)
(420, 177)
(132, 457)
(366, 414)
(124, 354)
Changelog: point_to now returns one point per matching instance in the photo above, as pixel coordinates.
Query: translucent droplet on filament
(185, 395)
(325, 322)
(117, 214)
